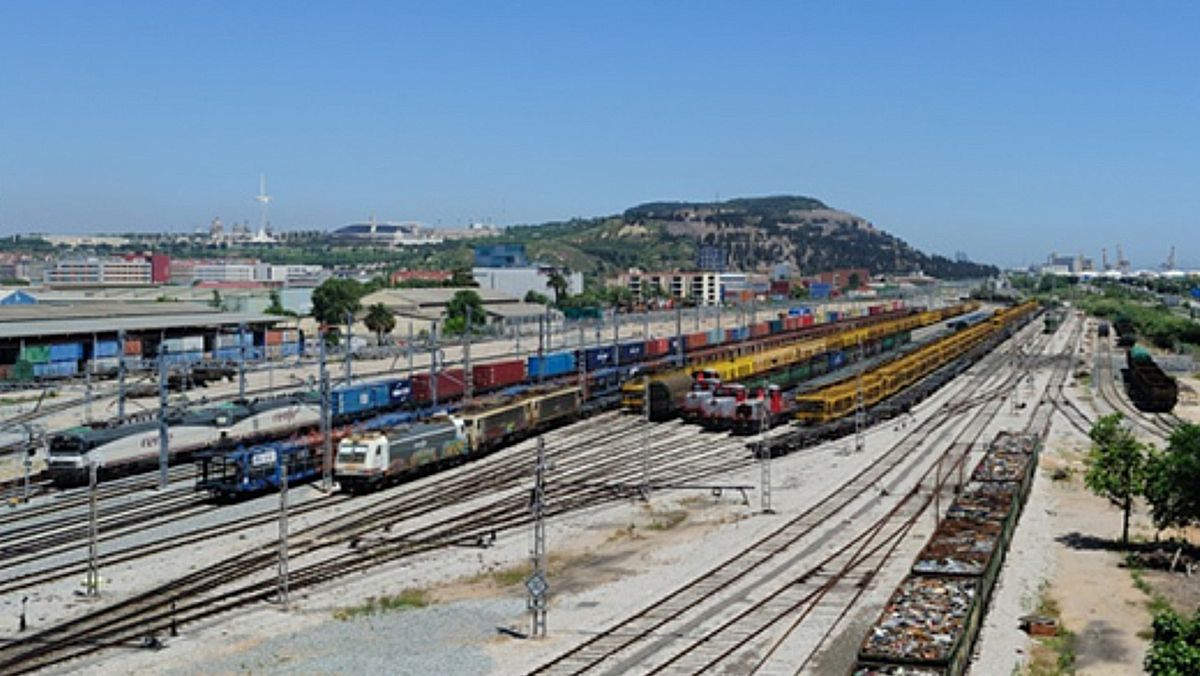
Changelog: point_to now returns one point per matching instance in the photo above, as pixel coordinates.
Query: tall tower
(263, 200)
(1104, 259)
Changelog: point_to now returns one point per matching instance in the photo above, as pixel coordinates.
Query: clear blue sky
(1005, 131)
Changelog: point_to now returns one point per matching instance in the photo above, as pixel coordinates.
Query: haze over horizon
(1006, 132)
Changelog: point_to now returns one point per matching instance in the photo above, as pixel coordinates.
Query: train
(370, 459)
(1149, 387)
(678, 391)
(839, 399)
(128, 448)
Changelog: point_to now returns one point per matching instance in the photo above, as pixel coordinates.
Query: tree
(216, 301)
(557, 282)
(1173, 486)
(380, 320)
(457, 311)
(462, 277)
(1116, 466)
(854, 281)
(534, 297)
(276, 305)
(1175, 648)
(799, 292)
(334, 298)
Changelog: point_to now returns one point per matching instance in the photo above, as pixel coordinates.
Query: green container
(21, 372)
(35, 354)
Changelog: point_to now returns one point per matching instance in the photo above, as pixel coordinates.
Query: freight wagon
(1149, 387)
(257, 469)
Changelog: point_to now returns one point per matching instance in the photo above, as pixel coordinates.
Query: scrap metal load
(785, 363)
(931, 621)
(1150, 389)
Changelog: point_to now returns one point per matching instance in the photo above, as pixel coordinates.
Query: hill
(756, 233)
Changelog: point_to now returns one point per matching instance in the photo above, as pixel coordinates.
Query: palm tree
(557, 281)
(379, 320)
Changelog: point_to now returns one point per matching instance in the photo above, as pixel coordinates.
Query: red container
(760, 329)
(496, 375)
(450, 385)
(875, 310)
(656, 347)
(4, 369)
(806, 320)
(133, 346)
(695, 341)
(274, 337)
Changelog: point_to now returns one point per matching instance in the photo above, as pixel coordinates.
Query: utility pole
(282, 583)
(697, 318)
(541, 347)
(349, 343)
(121, 375)
(764, 462)
(644, 489)
(536, 584)
(468, 377)
(860, 413)
(164, 436)
(646, 325)
(92, 580)
(241, 341)
(409, 346)
(326, 422)
(678, 335)
(616, 348)
(87, 400)
(433, 368)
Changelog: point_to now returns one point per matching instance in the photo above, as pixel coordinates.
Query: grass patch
(1156, 602)
(409, 598)
(667, 520)
(1052, 655)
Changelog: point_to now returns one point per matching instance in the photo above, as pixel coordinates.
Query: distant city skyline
(1006, 131)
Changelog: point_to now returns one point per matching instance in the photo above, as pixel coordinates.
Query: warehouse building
(421, 308)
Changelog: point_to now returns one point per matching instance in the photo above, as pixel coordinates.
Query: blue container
(66, 352)
(359, 399)
(837, 359)
(599, 357)
(776, 325)
(716, 337)
(399, 391)
(799, 311)
(289, 349)
(673, 345)
(632, 352)
(820, 290)
(551, 365)
(107, 348)
(55, 369)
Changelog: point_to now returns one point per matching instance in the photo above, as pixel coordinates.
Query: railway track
(1157, 426)
(628, 644)
(193, 596)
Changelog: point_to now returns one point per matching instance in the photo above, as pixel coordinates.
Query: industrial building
(506, 269)
(44, 341)
(418, 310)
(380, 233)
(96, 271)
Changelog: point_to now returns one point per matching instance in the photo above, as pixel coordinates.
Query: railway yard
(892, 528)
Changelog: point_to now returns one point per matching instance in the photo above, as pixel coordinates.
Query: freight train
(1150, 389)
(930, 623)
(135, 447)
(785, 365)
(372, 459)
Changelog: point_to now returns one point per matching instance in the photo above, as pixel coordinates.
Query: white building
(700, 287)
(380, 233)
(99, 272)
(517, 282)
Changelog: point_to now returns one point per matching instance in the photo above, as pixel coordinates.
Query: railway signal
(764, 463)
(163, 433)
(326, 442)
(282, 580)
(349, 369)
(121, 375)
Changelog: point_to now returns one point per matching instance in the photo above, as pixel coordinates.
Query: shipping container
(290, 349)
(633, 351)
(105, 348)
(657, 347)
(35, 354)
(807, 320)
(551, 365)
(716, 337)
(599, 357)
(450, 385)
(105, 364)
(695, 341)
(495, 375)
(4, 371)
(363, 398)
(273, 337)
(55, 369)
(775, 325)
(192, 343)
(133, 346)
(291, 335)
(837, 359)
(399, 391)
(66, 352)
(22, 371)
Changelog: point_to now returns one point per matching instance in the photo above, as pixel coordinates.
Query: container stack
(931, 621)
(105, 356)
(228, 346)
(290, 347)
(183, 350)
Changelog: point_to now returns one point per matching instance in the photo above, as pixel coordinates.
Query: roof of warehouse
(432, 296)
(24, 321)
(515, 310)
